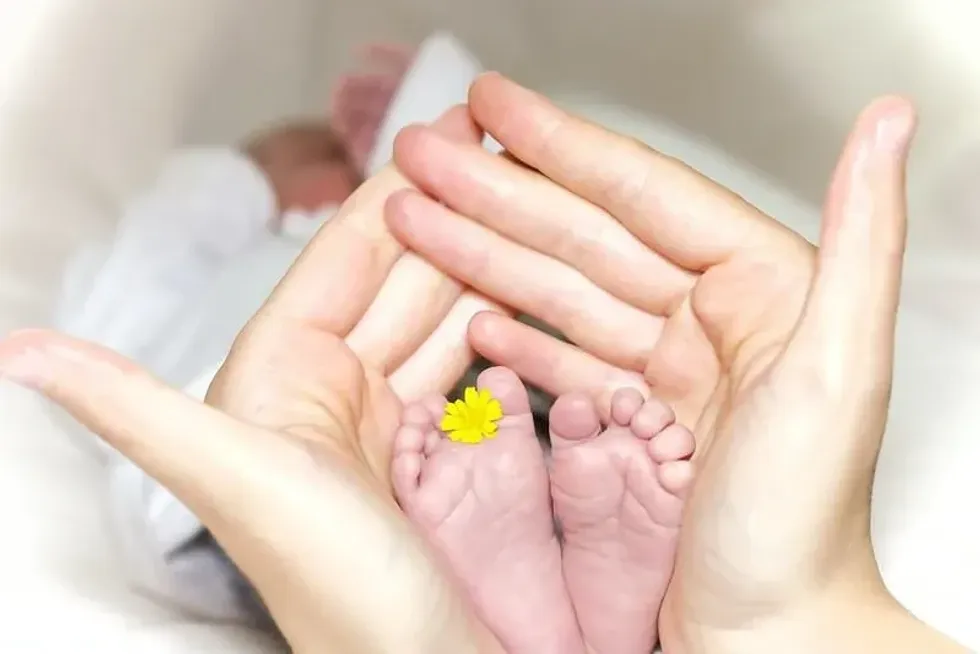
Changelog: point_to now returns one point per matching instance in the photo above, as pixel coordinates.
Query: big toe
(507, 388)
(573, 417)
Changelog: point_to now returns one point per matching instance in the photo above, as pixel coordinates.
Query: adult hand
(778, 356)
(292, 477)
(404, 321)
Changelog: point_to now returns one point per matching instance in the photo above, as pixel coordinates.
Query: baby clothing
(148, 295)
(192, 260)
(137, 295)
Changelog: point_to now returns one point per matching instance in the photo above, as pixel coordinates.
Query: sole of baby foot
(486, 509)
(619, 495)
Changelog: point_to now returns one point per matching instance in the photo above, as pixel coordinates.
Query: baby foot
(486, 509)
(618, 495)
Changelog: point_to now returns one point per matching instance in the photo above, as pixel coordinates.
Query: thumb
(846, 335)
(270, 501)
(202, 455)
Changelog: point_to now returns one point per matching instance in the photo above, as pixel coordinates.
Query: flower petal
(472, 397)
(451, 423)
(466, 436)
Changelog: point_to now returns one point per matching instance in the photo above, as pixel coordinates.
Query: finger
(413, 300)
(446, 354)
(548, 363)
(338, 274)
(850, 316)
(681, 214)
(531, 210)
(239, 480)
(528, 281)
(197, 452)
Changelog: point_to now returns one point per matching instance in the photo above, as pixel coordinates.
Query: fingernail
(409, 202)
(407, 208)
(30, 367)
(894, 130)
(33, 357)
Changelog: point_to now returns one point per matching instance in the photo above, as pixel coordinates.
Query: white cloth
(206, 206)
(146, 302)
(192, 261)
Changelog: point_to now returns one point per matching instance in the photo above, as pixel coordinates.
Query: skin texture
(489, 510)
(486, 508)
(736, 321)
(290, 437)
(777, 355)
(618, 492)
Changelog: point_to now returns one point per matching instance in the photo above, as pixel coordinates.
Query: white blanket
(66, 561)
(191, 260)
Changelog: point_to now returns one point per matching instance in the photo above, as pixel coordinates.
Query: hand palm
(713, 323)
(345, 406)
(718, 339)
(296, 463)
(718, 331)
(731, 404)
(355, 328)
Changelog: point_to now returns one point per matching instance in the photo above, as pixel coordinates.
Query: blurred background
(756, 94)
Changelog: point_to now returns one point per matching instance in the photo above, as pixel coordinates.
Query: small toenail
(625, 403)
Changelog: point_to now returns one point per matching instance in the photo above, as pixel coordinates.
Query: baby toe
(673, 443)
(651, 419)
(626, 402)
(507, 388)
(573, 418)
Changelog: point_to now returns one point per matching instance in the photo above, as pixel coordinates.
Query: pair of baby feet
(489, 510)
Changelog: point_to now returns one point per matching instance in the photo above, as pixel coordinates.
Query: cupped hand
(288, 467)
(779, 356)
(353, 289)
(659, 277)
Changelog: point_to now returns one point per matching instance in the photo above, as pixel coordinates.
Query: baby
(151, 296)
(474, 479)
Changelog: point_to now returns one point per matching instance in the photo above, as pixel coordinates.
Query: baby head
(306, 163)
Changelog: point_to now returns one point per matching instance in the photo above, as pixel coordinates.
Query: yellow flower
(473, 418)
